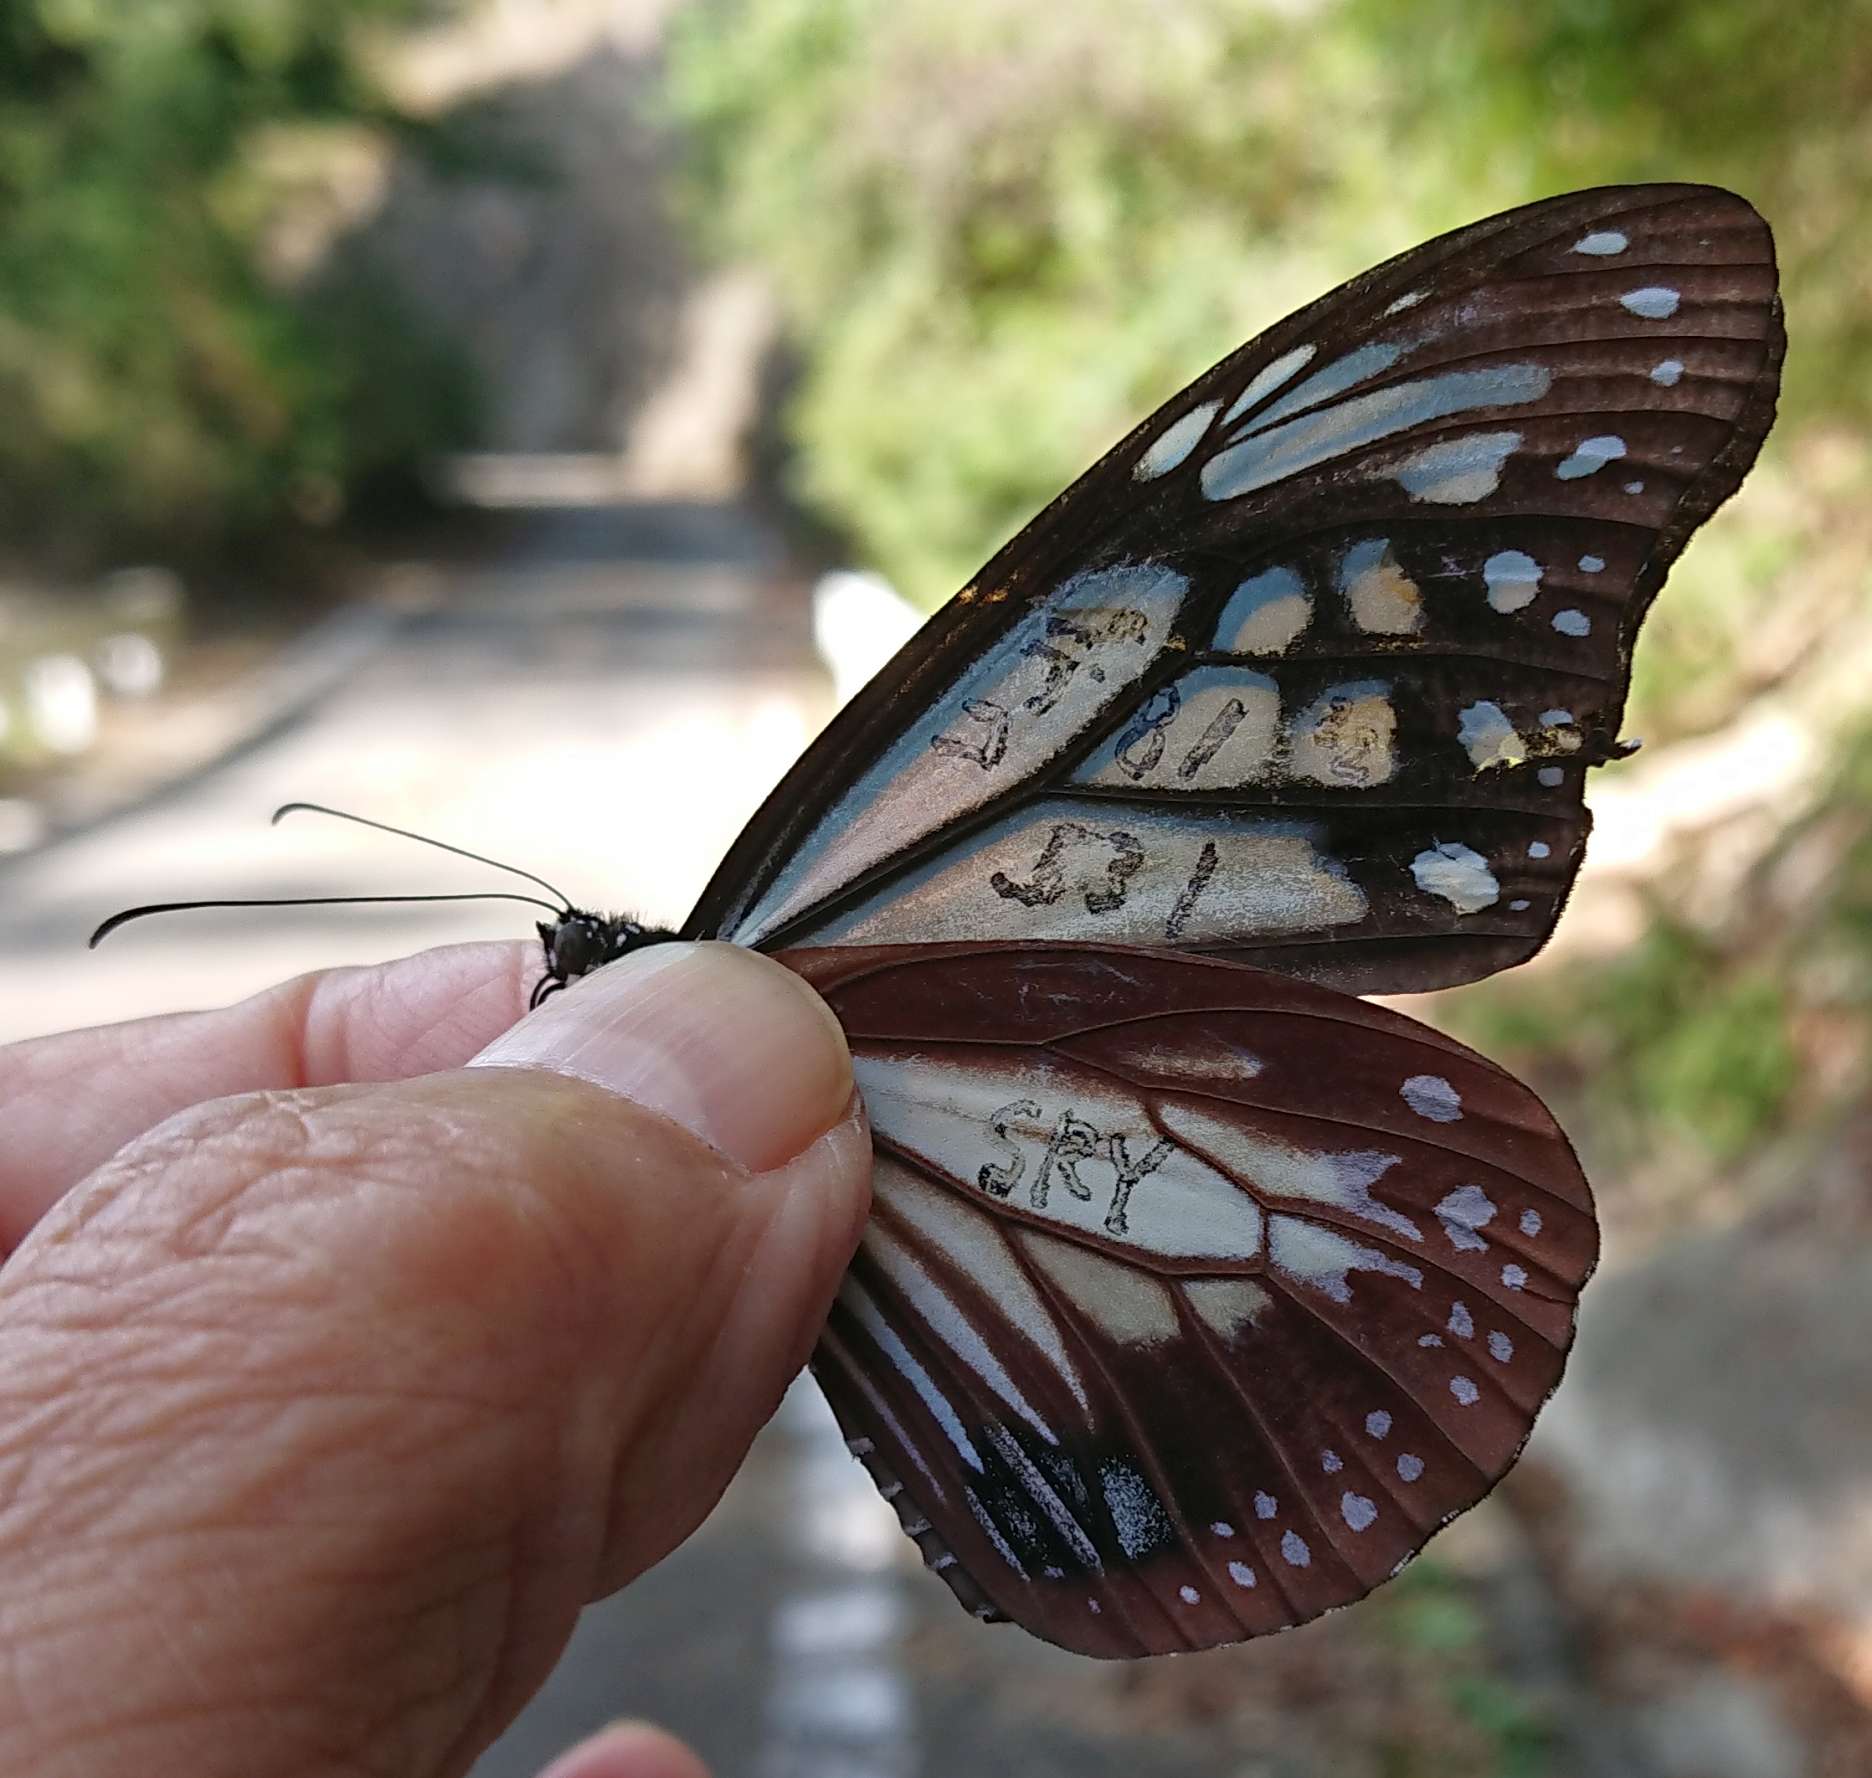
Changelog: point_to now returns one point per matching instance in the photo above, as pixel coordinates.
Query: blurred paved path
(604, 703)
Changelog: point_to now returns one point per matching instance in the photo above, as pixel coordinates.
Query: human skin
(353, 1338)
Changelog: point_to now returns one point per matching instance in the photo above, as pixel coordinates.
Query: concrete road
(604, 704)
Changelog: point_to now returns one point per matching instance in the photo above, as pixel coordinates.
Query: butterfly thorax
(579, 942)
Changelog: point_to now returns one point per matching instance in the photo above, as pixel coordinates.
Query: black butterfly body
(1198, 1293)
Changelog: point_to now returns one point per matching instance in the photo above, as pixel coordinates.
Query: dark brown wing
(1310, 668)
(1194, 1299)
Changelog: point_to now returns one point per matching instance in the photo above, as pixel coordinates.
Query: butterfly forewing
(1194, 1298)
(1311, 667)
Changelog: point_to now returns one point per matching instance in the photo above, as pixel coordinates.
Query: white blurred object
(859, 621)
(130, 664)
(61, 703)
(143, 597)
(22, 824)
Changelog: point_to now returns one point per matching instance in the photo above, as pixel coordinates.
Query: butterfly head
(578, 942)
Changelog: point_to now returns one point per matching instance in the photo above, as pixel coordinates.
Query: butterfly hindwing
(1310, 668)
(1194, 1299)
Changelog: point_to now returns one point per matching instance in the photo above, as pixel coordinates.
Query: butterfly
(1199, 1292)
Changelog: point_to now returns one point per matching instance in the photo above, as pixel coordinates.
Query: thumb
(328, 1410)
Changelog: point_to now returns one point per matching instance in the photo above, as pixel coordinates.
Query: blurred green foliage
(1430, 1611)
(1003, 233)
(158, 385)
(1679, 1035)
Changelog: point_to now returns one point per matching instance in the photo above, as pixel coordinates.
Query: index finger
(68, 1103)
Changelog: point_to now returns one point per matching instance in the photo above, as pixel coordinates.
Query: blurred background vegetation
(173, 378)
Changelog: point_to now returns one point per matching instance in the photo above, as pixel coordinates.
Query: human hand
(352, 1341)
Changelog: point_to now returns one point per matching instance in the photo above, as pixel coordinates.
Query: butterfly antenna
(421, 839)
(313, 901)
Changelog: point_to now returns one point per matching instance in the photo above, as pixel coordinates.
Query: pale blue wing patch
(1214, 728)
(1380, 598)
(1310, 440)
(1265, 614)
(1064, 869)
(1047, 679)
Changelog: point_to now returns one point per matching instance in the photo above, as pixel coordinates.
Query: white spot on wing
(1329, 380)
(1119, 1300)
(1266, 1506)
(1465, 1391)
(1667, 371)
(1488, 737)
(1322, 1258)
(1513, 1276)
(1591, 455)
(1457, 471)
(1461, 1323)
(1226, 1304)
(1431, 1096)
(1512, 577)
(1241, 1574)
(1634, 487)
(1189, 1595)
(1222, 1528)
(982, 1256)
(1655, 302)
(1310, 439)
(1377, 1423)
(1530, 1223)
(1409, 300)
(1591, 564)
(1175, 442)
(1501, 1348)
(948, 1321)
(1340, 1178)
(1294, 1550)
(1409, 1468)
(1572, 623)
(882, 1335)
(1137, 1514)
(1345, 736)
(1264, 614)
(1383, 599)
(1463, 1213)
(1539, 849)
(1331, 1462)
(1552, 776)
(1356, 1510)
(1269, 378)
(1600, 242)
(1457, 874)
